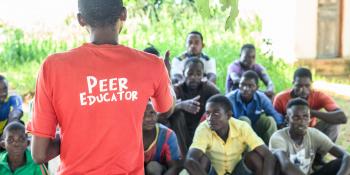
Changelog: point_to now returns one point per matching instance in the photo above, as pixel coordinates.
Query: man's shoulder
(280, 134)
(209, 85)
(163, 128)
(284, 95)
(203, 127)
(232, 93)
(205, 57)
(315, 94)
(15, 99)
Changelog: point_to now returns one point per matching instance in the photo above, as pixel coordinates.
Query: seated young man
(253, 106)
(10, 106)
(194, 45)
(247, 62)
(154, 51)
(16, 160)
(329, 120)
(296, 145)
(223, 139)
(192, 95)
(162, 152)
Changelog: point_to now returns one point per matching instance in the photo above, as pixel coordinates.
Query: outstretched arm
(332, 117)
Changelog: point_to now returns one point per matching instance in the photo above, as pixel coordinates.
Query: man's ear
(2, 144)
(203, 45)
(81, 20)
(123, 14)
(229, 114)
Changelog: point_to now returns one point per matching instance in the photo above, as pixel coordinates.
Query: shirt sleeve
(277, 142)
(251, 139)
(278, 104)
(16, 103)
(176, 66)
(162, 98)
(327, 102)
(323, 142)
(210, 66)
(269, 110)
(201, 138)
(265, 78)
(44, 119)
(173, 150)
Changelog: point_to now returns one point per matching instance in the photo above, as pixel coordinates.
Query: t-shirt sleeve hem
(39, 134)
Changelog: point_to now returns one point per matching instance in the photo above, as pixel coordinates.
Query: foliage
(21, 53)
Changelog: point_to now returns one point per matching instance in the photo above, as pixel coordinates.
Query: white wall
(306, 29)
(279, 25)
(346, 29)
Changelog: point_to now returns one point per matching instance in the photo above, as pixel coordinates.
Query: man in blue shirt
(10, 106)
(254, 106)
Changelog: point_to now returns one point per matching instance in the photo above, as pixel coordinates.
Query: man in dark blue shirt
(254, 106)
(10, 106)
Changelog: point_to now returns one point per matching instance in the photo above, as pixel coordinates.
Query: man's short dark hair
(100, 13)
(152, 50)
(247, 47)
(222, 100)
(196, 33)
(297, 102)
(302, 72)
(193, 61)
(13, 126)
(251, 75)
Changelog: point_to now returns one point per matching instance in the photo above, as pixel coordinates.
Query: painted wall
(279, 25)
(346, 29)
(306, 29)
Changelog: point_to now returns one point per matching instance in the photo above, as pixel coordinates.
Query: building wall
(279, 25)
(306, 29)
(346, 29)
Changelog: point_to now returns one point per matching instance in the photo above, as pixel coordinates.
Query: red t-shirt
(317, 100)
(97, 94)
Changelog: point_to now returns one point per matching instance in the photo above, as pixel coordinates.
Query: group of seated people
(246, 131)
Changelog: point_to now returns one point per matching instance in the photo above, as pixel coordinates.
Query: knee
(246, 119)
(154, 168)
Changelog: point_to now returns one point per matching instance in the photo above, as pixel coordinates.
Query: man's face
(248, 58)
(3, 91)
(194, 44)
(247, 88)
(150, 118)
(193, 75)
(15, 142)
(301, 87)
(217, 117)
(298, 118)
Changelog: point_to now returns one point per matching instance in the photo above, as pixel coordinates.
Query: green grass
(344, 136)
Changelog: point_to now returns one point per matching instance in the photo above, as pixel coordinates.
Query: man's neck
(16, 161)
(104, 35)
(223, 133)
(298, 139)
(246, 100)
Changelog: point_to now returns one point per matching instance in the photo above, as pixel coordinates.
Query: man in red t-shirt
(97, 94)
(329, 120)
